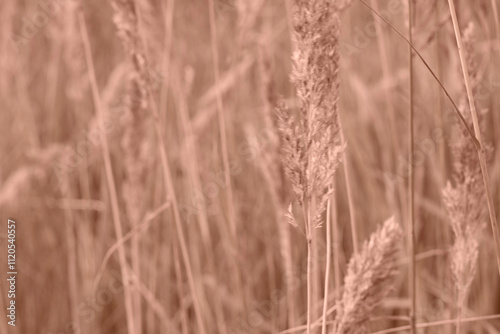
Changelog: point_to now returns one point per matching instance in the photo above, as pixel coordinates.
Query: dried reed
(464, 199)
(368, 279)
(477, 131)
(311, 151)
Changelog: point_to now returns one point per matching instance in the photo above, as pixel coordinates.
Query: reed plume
(368, 279)
(310, 144)
(311, 151)
(463, 200)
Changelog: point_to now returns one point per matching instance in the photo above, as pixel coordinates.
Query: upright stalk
(327, 269)
(350, 200)
(386, 77)
(222, 122)
(224, 147)
(109, 176)
(309, 267)
(411, 213)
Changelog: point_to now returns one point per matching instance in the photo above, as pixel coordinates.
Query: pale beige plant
(368, 279)
(480, 147)
(311, 150)
(141, 97)
(464, 199)
(309, 140)
(110, 179)
(134, 144)
(274, 172)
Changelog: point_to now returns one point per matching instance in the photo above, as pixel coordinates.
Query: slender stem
(169, 187)
(386, 77)
(109, 175)
(222, 122)
(224, 148)
(179, 281)
(328, 260)
(309, 284)
(309, 235)
(72, 257)
(496, 116)
(336, 244)
(411, 207)
(477, 131)
(497, 22)
(350, 200)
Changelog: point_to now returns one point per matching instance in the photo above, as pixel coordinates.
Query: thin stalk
(171, 195)
(224, 147)
(440, 104)
(411, 219)
(350, 200)
(327, 269)
(169, 187)
(179, 281)
(477, 131)
(309, 284)
(222, 122)
(336, 245)
(73, 285)
(194, 176)
(496, 116)
(307, 219)
(315, 271)
(445, 233)
(109, 175)
(168, 10)
(386, 77)
(497, 23)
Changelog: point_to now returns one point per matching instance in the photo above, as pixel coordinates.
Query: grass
(174, 166)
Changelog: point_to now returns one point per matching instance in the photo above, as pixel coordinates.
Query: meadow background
(206, 239)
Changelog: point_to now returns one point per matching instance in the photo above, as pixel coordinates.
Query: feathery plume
(464, 199)
(368, 279)
(309, 143)
(310, 146)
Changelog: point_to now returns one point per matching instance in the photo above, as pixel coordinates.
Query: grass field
(263, 166)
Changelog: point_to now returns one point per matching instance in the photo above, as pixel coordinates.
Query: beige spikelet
(464, 199)
(309, 143)
(368, 279)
